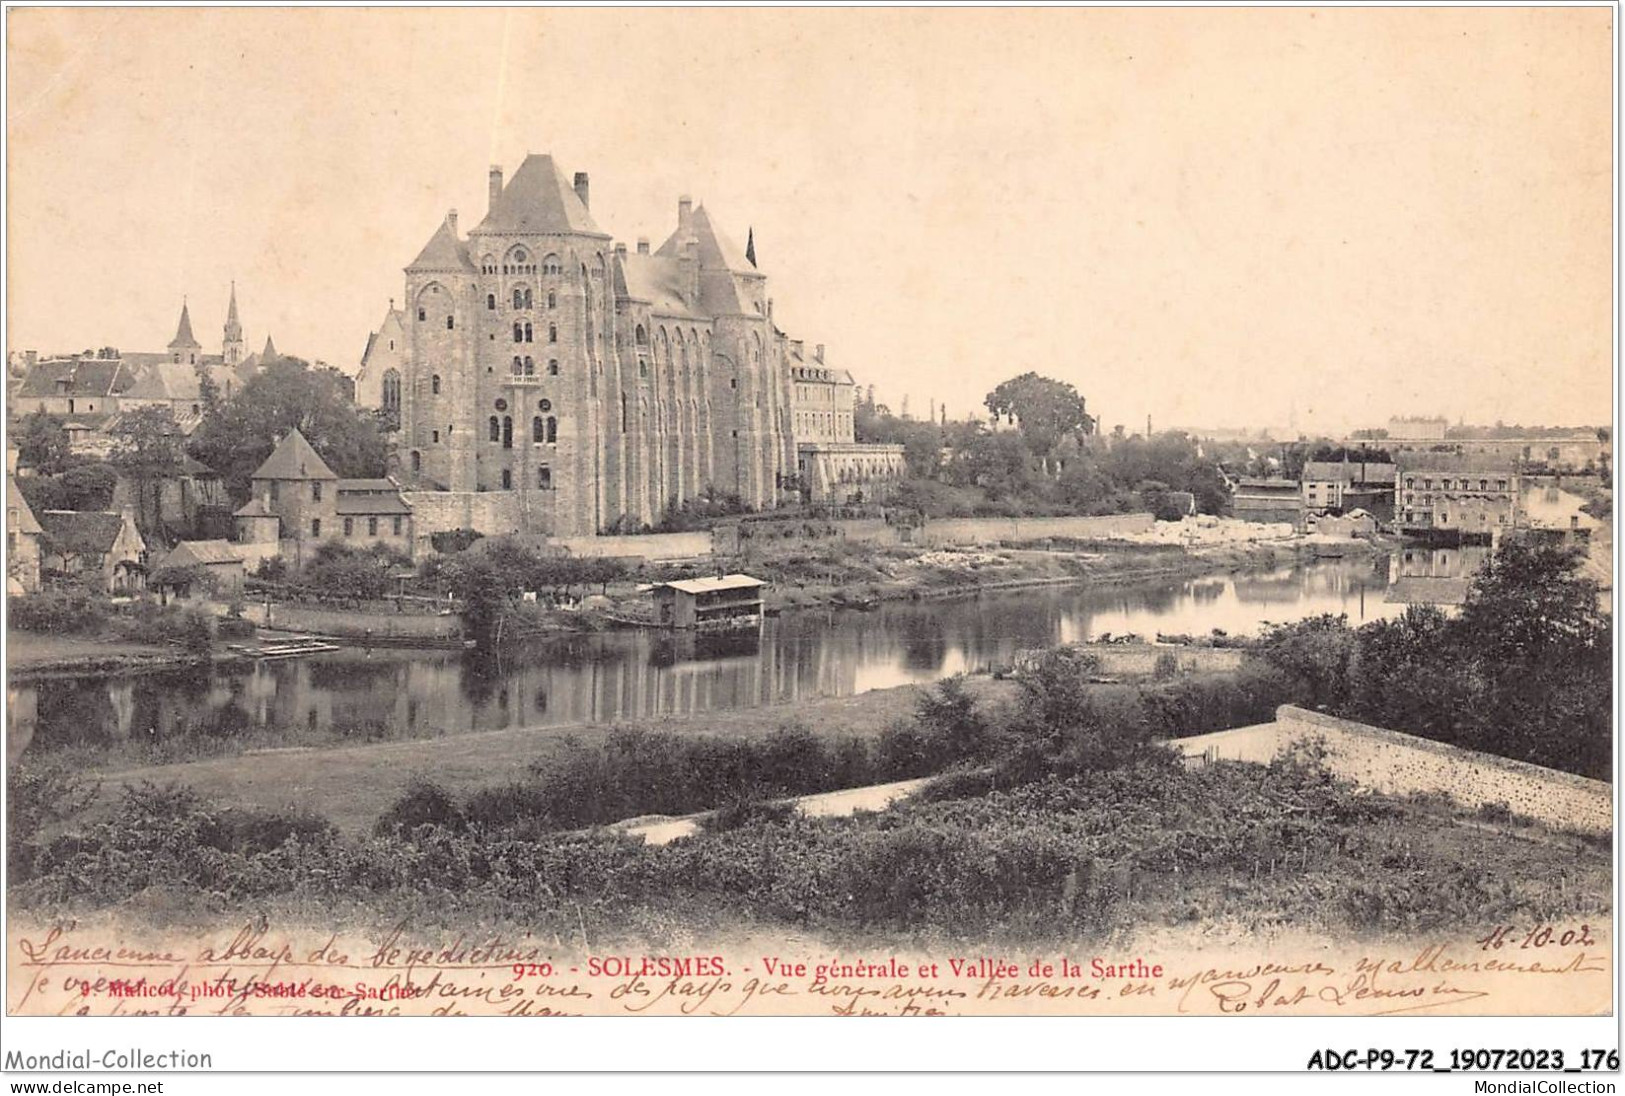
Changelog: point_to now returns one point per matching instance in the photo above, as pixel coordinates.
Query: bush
(147, 622)
(450, 541)
(423, 803)
(69, 609)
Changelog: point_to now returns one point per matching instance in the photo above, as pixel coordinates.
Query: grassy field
(353, 785)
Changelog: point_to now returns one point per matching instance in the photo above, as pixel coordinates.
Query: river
(355, 696)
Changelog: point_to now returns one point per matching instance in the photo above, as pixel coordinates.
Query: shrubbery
(68, 609)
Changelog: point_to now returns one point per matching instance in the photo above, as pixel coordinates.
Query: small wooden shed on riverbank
(710, 604)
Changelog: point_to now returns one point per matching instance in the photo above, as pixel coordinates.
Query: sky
(1219, 217)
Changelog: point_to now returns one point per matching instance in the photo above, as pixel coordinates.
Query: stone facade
(612, 385)
(831, 465)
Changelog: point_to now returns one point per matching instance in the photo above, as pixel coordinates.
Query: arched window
(553, 367)
(391, 390)
(491, 302)
(527, 333)
(552, 429)
(530, 366)
(518, 298)
(518, 365)
(550, 265)
(434, 384)
(641, 336)
(552, 299)
(527, 298)
(518, 331)
(507, 431)
(538, 433)
(496, 428)
(552, 332)
(451, 323)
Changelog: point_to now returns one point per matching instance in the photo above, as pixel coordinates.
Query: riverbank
(352, 785)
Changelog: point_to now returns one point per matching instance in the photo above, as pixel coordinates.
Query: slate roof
(183, 331)
(254, 508)
(294, 459)
(1336, 471)
(367, 502)
(712, 584)
(85, 377)
(26, 521)
(186, 553)
(656, 279)
(538, 199)
(82, 532)
(444, 251)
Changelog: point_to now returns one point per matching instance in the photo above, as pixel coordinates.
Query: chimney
(451, 220)
(818, 353)
(643, 245)
(685, 206)
(496, 184)
(581, 186)
(620, 251)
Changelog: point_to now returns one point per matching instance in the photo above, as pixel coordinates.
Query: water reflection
(358, 696)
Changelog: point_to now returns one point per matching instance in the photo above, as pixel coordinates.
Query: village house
(22, 540)
(1269, 501)
(200, 568)
(1349, 485)
(102, 544)
(1455, 496)
(299, 502)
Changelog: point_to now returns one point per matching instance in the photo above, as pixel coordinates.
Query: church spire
(232, 348)
(269, 354)
(183, 346)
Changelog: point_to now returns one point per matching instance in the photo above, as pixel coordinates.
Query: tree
(42, 444)
(289, 394)
(1045, 409)
(147, 450)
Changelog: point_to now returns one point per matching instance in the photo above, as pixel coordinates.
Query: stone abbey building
(549, 380)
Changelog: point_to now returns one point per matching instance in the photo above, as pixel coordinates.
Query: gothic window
(530, 366)
(552, 299)
(518, 365)
(641, 336)
(434, 384)
(507, 431)
(527, 333)
(550, 265)
(552, 332)
(518, 331)
(392, 390)
(552, 429)
(544, 476)
(518, 298)
(491, 302)
(552, 367)
(538, 433)
(496, 429)
(527, 298)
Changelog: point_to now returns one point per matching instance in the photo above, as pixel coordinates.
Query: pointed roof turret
(234, 327)
(269, 354)
(750, 245)
(444, 251)
(183, 333)
(294, 459)
(539, 199)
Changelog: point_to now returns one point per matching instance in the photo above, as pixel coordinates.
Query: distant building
(1350, 485)
(299, 502)
(218, 563)
(22, 540)
(1417, 429)
(1269, 501)
(383, 362)
(833, 466)
(1455, 495)
(710, 604)
(105, 545)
